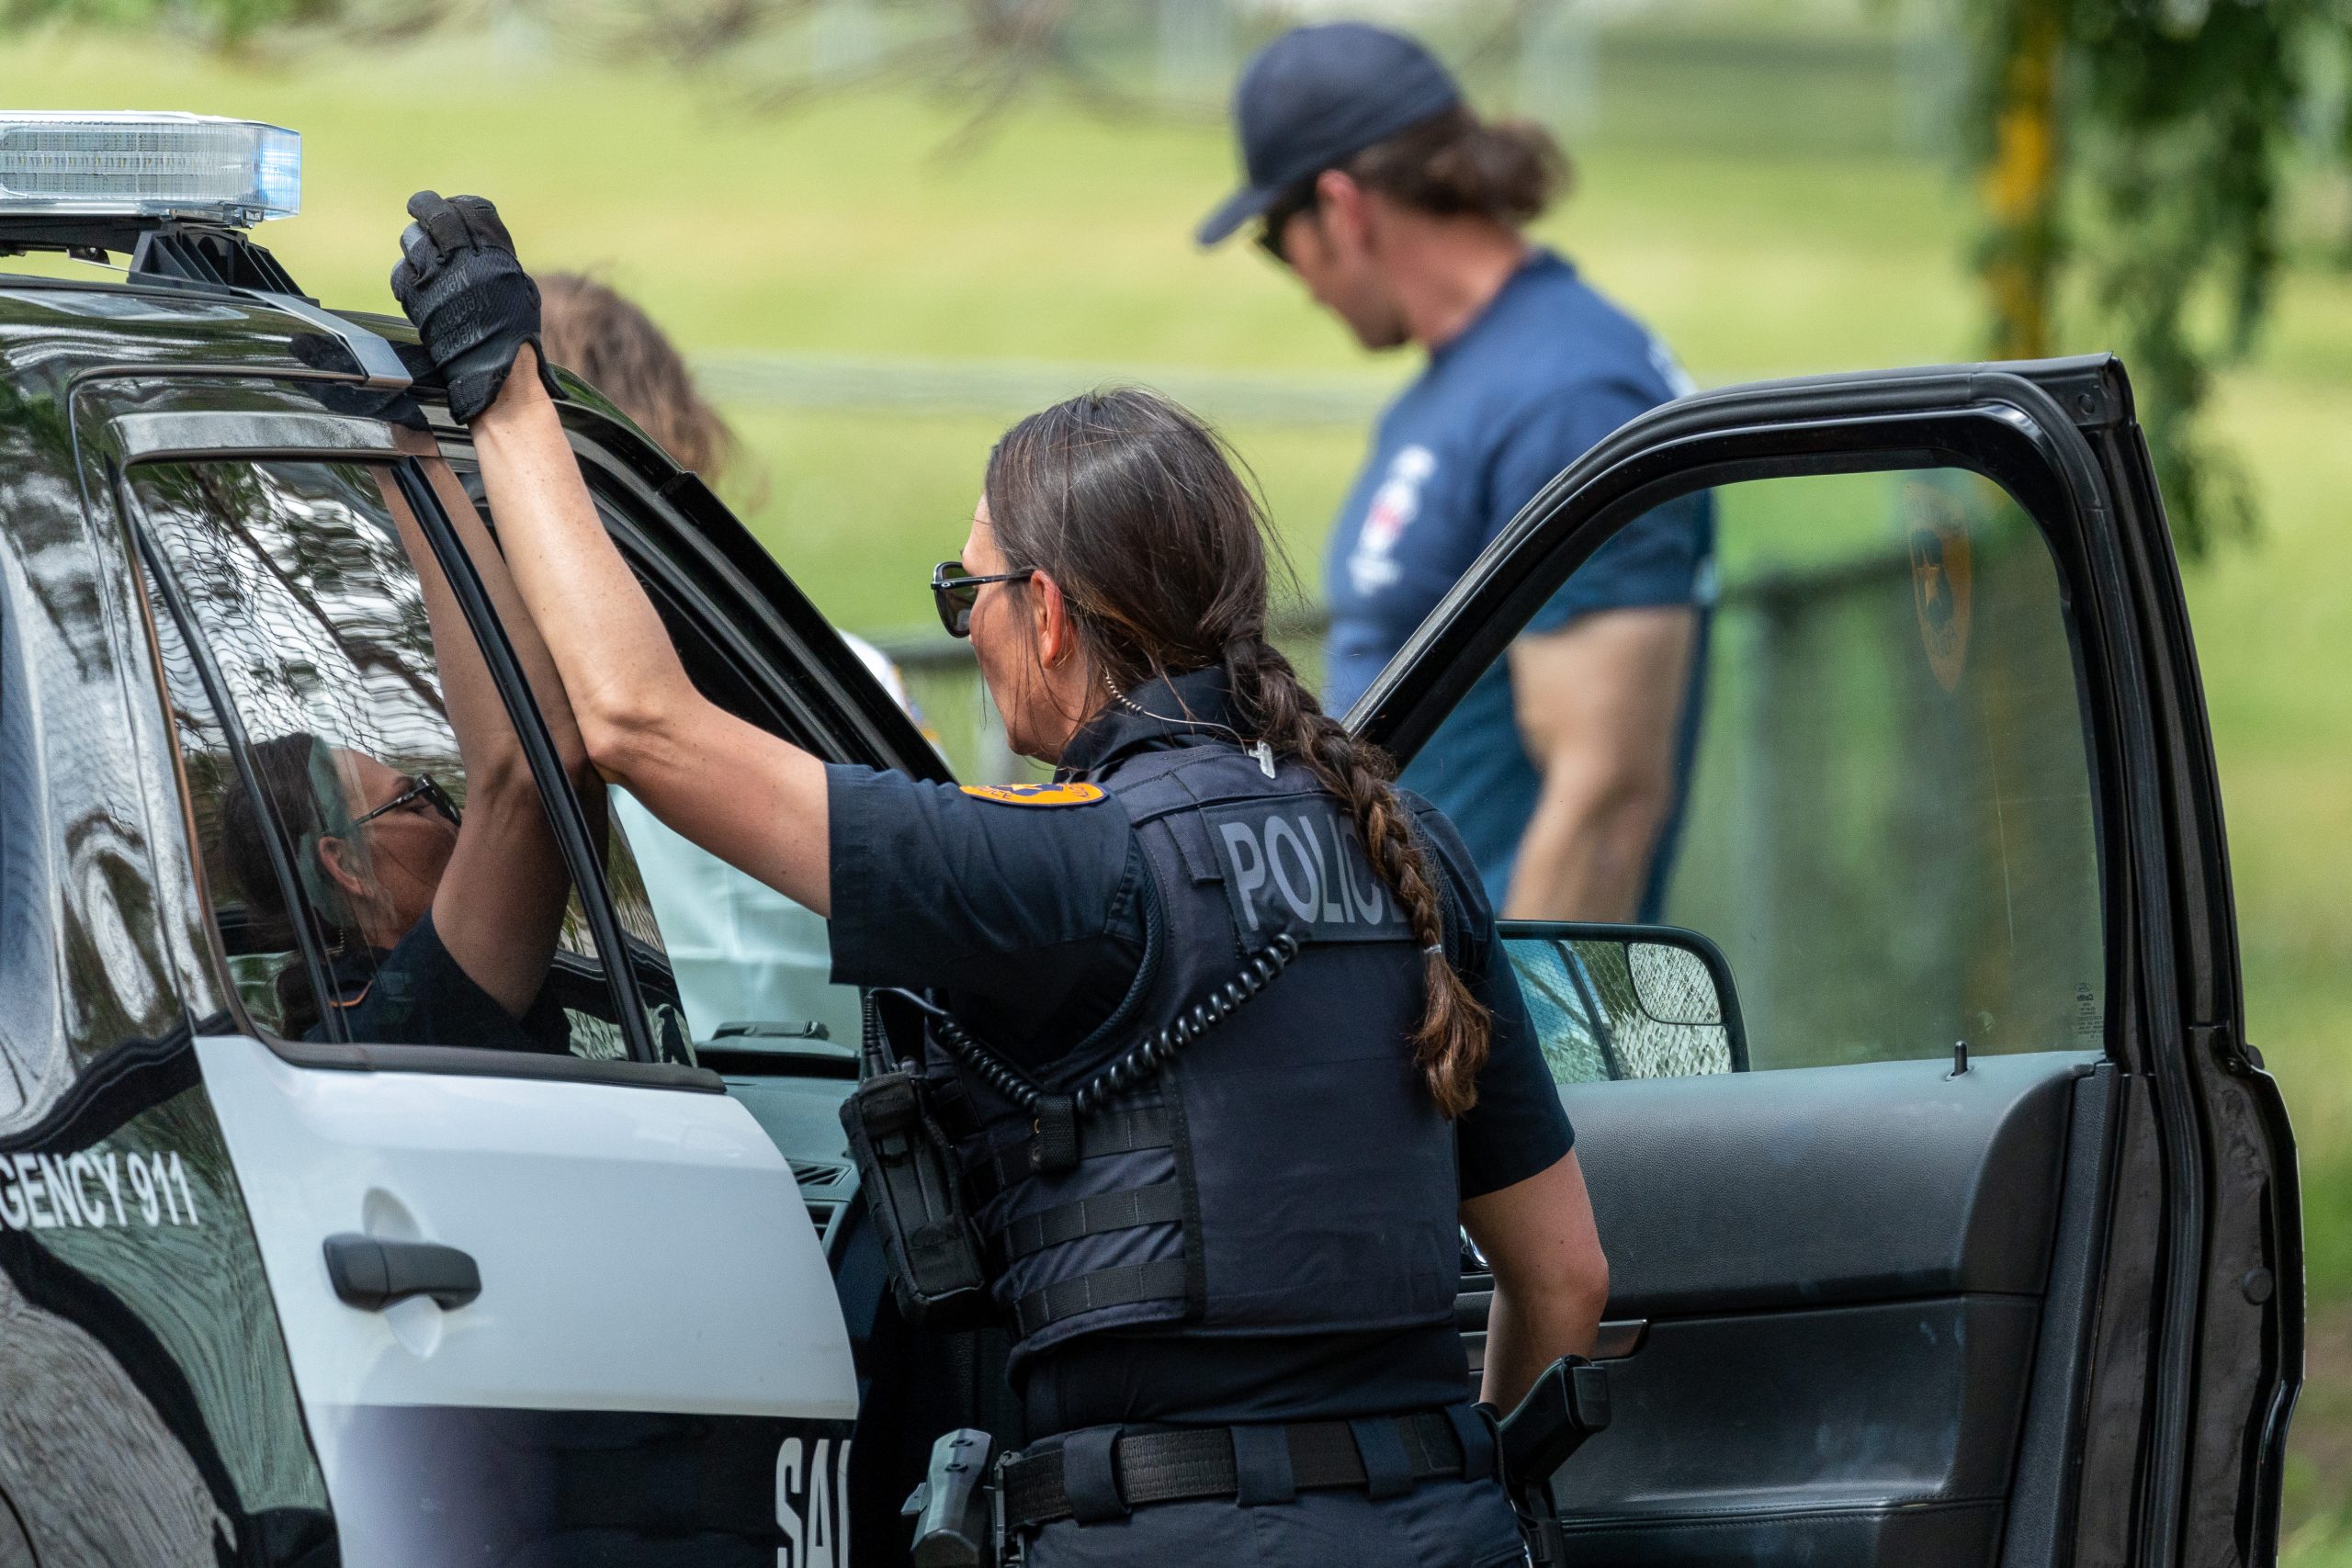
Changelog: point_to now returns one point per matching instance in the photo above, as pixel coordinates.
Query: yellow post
(2020, 186)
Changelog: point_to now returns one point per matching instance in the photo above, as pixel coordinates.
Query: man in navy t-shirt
(1402, 213)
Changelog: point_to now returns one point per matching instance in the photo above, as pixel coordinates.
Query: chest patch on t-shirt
(1371, 564)
(1039, 795)
(1297, 863)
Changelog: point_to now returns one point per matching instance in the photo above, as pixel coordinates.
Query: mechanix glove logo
(473, 304)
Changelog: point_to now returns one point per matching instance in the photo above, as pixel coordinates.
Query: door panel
(647, 1285)
(1709, 1189)
(541, 1182)
(1814, 1390)
(1787, 1414)
(1921, 810)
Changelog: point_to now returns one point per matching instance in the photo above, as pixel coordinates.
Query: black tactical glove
(472, 302)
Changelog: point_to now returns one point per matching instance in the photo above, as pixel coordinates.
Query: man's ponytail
(1457, 165)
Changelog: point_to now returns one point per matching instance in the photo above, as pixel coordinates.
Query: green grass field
(1062, 238)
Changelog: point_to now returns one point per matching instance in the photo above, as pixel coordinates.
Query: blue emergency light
(199, 168)
(175, 193)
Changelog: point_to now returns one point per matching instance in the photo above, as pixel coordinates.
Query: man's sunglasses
(423, 791)
(1275, 221)
(954, 594)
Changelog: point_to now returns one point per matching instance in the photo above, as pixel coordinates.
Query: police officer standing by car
(1218, 1023)
(1401, 212)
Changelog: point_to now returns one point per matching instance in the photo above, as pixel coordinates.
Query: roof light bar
(236, 172)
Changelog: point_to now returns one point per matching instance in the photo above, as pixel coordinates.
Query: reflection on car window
(381, 763)
(1875, 794)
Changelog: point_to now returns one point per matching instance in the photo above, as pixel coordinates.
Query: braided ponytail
(1134, 507)
(1450, 1043)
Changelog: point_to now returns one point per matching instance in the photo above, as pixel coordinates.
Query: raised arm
(747, 797)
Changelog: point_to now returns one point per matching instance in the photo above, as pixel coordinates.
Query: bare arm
(1551, 1279)
(499, 905)
(747, 797)
(1599, 706)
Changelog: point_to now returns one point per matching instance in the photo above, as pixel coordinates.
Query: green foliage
(2173, 122)
(227, 25)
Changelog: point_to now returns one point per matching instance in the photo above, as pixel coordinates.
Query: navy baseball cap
(1315, 97)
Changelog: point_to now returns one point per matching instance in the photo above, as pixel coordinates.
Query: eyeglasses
(424, 793)
(954, 594)
(1275, 222)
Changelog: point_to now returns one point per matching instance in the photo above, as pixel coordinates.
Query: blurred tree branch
(986, 54)
(2129, 153)
(2136, 146)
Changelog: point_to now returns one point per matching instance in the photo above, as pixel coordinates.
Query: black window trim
(1480, 616)
(168, 435)
(564, 814)
(256, 437)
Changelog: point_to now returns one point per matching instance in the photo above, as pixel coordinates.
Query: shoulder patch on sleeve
(1037, 794)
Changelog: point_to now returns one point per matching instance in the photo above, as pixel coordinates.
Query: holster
(907, 1172)
(958, 1506)
(1568, 1404)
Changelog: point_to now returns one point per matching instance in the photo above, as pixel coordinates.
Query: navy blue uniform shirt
(1540, 376)
(1030, 919)
(415, 994)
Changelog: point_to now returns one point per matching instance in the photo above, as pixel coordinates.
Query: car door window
(1884, 813)
(751, 968)
(722, 958)
(379, 801)
(748, 969)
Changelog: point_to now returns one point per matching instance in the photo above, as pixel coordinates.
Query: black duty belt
(1385, 1455)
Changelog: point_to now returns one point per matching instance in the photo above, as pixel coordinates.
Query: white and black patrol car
(273, 1295)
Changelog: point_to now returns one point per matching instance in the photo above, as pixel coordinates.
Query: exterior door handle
(372, 1273)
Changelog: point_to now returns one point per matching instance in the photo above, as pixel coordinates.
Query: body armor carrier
(1225, 1154)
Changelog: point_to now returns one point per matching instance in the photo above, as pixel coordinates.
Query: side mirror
(1613, 1001)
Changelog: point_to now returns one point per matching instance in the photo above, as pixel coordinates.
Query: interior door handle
(372, 1273)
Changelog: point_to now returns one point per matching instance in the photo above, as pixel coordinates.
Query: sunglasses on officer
(425, 794)
(954, 592)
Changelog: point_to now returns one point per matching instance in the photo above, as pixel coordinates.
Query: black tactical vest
(1287, 1171)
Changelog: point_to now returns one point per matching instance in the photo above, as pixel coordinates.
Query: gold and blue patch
(1037, 794)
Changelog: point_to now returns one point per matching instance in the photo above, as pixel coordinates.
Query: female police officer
(1250, 1244)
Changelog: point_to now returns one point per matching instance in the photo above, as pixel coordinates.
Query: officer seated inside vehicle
(386, 861)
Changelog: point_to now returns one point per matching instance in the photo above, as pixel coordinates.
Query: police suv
(1964, 1231)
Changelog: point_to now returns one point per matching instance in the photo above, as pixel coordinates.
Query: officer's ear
(339, 859)
(1056, 635)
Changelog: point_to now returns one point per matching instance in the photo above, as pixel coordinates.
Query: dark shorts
(1438, 1523)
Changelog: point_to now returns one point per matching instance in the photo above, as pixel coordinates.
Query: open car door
(1986, 1250)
